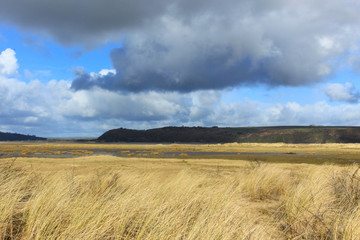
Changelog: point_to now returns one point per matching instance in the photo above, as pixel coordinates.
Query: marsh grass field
(84, 191)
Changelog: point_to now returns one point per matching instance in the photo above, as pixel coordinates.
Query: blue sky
(44, 55)
(66, 73)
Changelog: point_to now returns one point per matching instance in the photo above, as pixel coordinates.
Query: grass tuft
(108, 197)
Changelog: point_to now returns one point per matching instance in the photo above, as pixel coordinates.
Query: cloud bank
(55, 110)
(186, 46)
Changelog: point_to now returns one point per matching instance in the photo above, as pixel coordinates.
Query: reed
(105, 197)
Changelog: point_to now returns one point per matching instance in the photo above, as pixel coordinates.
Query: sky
(79, 68)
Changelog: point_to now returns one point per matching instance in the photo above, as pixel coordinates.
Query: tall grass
(324, 205)
(251, 201)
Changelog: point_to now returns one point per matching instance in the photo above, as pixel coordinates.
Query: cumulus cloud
(103, 104)
(253, 113)
(340, 92)
(187, 45)
(203, 106)
(280, 43)
(55, 109)
(8, 63)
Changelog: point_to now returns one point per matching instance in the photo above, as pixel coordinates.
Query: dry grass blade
(108, 197)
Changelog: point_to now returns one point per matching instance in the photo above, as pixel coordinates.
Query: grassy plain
(145, 196)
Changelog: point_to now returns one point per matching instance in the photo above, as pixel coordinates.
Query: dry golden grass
(107, 197)
(228, 147)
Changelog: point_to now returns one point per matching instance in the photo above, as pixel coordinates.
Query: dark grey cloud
(238, 43)
(83, 21)
(189, 45)
(204, 72)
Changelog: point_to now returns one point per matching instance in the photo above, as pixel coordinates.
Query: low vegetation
(285, 134)
(108, 197)
(5, 136)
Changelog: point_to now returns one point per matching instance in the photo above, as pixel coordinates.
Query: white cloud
(107, 71)
(252, 113)
(8, 63)
(100, 103)
(340, 92)
(54, 109)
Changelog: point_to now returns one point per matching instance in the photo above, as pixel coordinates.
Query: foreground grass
(103, 197)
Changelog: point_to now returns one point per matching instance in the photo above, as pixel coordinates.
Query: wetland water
(57, 153)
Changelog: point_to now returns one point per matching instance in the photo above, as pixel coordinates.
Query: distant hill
(18, 137)
(286, 134)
